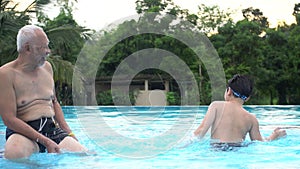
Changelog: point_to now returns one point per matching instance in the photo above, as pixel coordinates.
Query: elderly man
(28, 106)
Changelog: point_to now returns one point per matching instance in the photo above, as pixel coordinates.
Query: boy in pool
(229, 121)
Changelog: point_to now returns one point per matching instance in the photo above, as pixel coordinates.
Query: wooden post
(146, 85)
(167, 86)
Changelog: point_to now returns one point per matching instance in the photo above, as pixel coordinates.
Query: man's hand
(51, 146)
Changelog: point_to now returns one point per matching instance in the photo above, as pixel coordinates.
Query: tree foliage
(11, 21)
(65, 35)
(269, 55)
(249, 46)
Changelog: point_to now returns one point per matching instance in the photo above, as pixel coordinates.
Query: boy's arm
(277, 133)
(254, 130)
(255, 133)
(207, 121)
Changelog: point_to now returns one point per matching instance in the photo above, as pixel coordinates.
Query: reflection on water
(148, 122)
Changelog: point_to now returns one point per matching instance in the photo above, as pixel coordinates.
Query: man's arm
(8, 112)
(59, 115)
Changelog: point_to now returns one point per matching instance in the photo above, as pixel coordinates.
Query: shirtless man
(229, 121)
(28, 106)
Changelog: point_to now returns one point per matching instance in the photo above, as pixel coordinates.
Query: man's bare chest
(32, 86)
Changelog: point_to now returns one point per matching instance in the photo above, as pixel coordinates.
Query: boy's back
(232, 122)
(228, 120)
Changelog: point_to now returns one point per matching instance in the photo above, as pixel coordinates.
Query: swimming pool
(144, 123)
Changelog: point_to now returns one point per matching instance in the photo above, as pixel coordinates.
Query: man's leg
(70, 144)
(18, 146)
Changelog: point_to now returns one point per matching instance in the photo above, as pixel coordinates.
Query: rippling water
(156, 137)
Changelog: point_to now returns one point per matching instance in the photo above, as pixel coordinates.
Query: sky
(97, 14)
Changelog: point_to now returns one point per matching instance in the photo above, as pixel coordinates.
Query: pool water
(159, 137)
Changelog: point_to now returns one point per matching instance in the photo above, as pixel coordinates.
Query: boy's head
(241, 86)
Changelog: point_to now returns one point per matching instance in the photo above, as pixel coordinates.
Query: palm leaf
(63, 74)
(63, 70)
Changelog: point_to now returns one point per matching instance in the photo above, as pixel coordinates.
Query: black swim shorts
(47, 127)
(226, 146)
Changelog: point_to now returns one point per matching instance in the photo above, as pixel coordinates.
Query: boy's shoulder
(217, 103)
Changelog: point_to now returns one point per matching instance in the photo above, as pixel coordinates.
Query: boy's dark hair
(241, 85)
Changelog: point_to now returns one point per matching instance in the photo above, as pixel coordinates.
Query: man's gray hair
(25, 34)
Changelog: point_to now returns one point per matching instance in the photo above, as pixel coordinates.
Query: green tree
(11, 21)
(293, 65)
(270, 56)
(210, 18)
(255, 15)
(296, 13)
(65, 35)
(240, 48)
(276, 61)
(143, 6)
